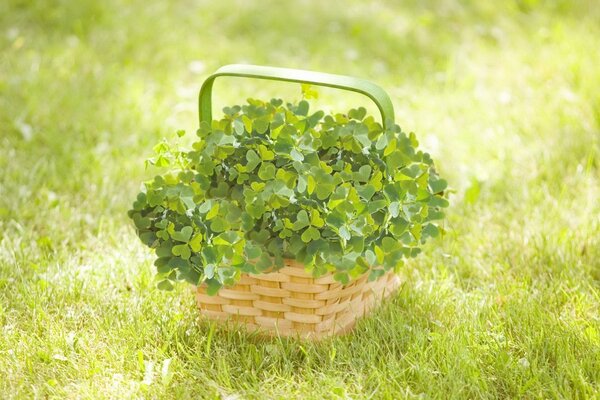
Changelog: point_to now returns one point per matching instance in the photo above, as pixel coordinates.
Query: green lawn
(504, 95)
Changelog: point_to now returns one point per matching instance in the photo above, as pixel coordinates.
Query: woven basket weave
(291, 302)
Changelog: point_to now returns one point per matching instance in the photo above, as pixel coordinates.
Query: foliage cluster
(271, 181)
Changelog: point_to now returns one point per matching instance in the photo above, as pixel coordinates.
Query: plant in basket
(269, 182)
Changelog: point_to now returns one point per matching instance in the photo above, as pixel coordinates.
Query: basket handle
(369, 89)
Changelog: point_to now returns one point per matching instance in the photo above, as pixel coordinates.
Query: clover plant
(270, 181)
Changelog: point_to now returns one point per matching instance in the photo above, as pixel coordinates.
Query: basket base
(291, 302)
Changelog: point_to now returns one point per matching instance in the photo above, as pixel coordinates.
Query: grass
(504, 95)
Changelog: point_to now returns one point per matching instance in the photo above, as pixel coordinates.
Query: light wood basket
(290, 302)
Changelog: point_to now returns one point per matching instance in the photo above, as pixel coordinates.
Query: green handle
(369, 89)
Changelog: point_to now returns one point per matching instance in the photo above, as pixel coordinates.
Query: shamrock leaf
(253, 160)
(141, 222)
(363, 173)
(266, 171)
(183, 235)
(315, 219)
(214, 211)
(311, 184)
(438, 186)
(357, 113)
(324, 190)
(219, 224)
(182, 251)
(296, 155)
(309, 234)
(302, 220)
(196, 243)
(265, 153)
(227, 238)
(344, 233)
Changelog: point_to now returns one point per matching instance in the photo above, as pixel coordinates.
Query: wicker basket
(290, 302)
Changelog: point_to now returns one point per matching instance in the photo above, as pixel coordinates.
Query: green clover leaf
(182, 251)
(266, 171)
(311, 233)
(183, 235)
(253, 160)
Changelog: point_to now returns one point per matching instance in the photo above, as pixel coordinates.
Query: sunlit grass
(505, 98)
